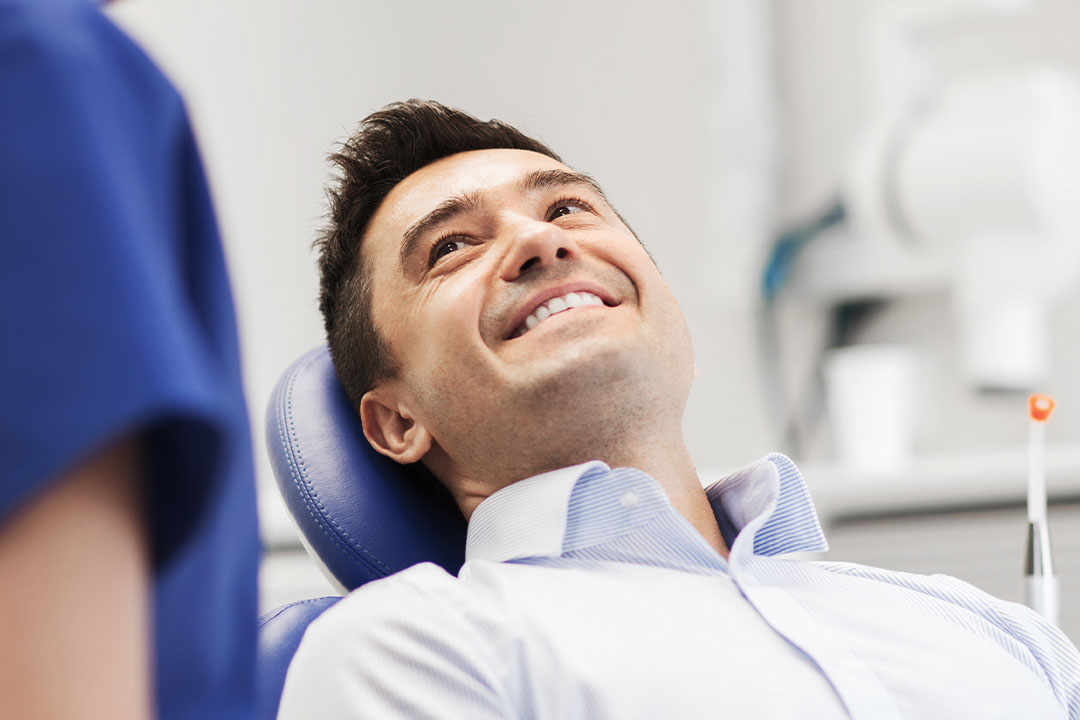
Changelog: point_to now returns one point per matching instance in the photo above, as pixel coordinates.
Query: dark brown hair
(389, 145)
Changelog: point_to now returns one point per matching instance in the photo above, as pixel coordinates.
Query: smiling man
(520, 308)
(492, 316)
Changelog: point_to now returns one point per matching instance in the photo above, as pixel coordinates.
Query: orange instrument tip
(1040, 406)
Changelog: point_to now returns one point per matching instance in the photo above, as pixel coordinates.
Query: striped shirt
(586, 595)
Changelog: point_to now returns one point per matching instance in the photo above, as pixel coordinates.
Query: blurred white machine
(974, 184)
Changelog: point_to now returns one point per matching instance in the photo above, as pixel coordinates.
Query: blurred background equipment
(964, 183)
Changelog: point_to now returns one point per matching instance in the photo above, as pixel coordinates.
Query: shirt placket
(858, 687)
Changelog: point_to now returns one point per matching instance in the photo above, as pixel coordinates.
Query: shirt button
(629, 498)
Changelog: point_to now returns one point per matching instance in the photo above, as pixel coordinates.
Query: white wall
(669, 106)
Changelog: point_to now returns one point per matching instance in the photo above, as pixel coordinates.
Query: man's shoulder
(421, 586)
(425, 577)
(423, 610)
(396, 643)
(953, 599)
(914, 581)
(944, 587)
(421, 579)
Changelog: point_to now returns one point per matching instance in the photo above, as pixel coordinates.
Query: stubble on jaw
(595, 410)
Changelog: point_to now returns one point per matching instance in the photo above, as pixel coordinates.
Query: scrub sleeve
(117, 320)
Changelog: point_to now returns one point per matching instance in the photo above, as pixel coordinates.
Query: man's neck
(670, 465)
(665, 459)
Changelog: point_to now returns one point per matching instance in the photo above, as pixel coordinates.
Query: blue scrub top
(117, 319)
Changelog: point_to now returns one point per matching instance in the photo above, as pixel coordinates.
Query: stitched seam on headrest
(300, 480)
(294, 471)
(298, 471)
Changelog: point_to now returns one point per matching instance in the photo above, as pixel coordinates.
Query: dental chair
(361, 516)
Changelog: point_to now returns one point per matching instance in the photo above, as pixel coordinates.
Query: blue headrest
(361, 514)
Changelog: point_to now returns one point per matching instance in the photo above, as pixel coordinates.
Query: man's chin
(579, 370)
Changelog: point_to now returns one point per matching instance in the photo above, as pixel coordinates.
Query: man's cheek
(441, 348)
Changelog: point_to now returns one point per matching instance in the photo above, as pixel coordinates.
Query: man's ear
(390, 429)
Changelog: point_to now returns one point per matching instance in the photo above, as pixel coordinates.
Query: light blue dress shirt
(586, 595)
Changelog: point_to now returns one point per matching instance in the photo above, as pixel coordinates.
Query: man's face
(522, 310)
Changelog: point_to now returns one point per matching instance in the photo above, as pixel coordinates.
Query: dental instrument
(1041, 591)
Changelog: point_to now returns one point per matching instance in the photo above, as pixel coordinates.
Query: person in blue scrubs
(128, 543)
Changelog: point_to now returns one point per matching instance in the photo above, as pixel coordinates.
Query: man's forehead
(457, 175)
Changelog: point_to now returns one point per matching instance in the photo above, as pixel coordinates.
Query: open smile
(556, 300)
(556, 305)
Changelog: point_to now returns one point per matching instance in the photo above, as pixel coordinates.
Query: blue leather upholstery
(279, 635)
(361, 513)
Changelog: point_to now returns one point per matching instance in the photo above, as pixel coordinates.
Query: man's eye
(565, 207)
(444, 247)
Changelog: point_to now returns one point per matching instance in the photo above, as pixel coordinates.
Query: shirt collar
(765, 504)
(526, 518)
(768, 505)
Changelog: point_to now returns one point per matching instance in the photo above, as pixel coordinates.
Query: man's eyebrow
(447, 209)
(467, 202)
(549, 179)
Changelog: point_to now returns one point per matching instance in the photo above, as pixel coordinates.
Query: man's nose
(534, 245)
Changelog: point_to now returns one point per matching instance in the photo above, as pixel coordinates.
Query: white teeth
(557, 305)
